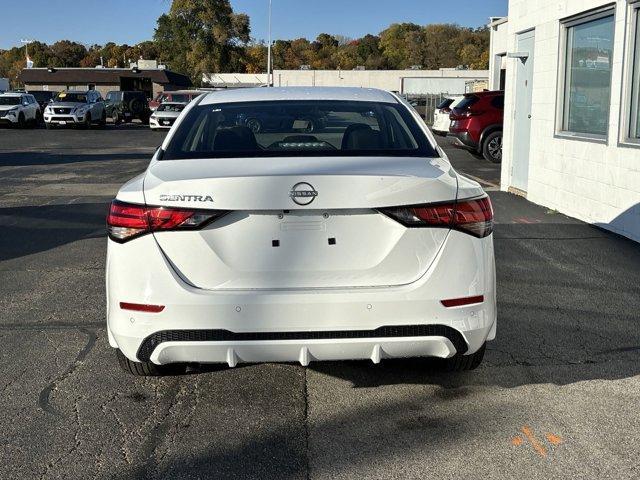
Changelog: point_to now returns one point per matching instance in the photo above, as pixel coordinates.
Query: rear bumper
(466, 139)
(234, 326)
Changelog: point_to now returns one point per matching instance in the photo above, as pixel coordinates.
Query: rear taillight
(473, 216)
(126, 221)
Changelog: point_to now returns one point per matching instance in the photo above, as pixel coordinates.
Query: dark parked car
(477, 122)
(125, 106)
(43, 97)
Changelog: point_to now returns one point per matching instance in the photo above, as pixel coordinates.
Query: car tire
(49, 126)
(116, 118)
(21, 120)
(492, 147)
(146, 369)
(462, 363)
(254, 125)
(103, 120)
(87, 122)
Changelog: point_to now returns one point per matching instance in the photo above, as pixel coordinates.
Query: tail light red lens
(126, 221)
(473, 216)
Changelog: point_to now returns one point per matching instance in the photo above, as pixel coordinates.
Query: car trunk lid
(300, 222)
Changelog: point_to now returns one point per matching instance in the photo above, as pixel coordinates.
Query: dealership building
(571, 74)
(151, 81)
(410, 82)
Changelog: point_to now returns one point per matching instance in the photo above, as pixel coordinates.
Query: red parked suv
(477, 122)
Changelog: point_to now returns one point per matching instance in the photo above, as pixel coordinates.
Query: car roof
(173, 103)
(298, 93)
(13, 94)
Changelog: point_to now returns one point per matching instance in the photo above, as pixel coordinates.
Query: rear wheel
(147, 369)
(461, 363)
(492, 147)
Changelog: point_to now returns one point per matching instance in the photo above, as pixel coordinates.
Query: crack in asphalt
(43, 398)
(148, 449)
(76, 437)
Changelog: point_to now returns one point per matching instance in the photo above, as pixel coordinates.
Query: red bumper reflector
(458, 302)
(139, 307)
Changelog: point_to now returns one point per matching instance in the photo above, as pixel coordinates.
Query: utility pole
(269, 50)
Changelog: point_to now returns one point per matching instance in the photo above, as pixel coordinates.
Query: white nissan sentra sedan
(338, 231)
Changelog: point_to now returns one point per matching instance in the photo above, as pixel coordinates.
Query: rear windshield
(71, 97)
(176, 97)
(444, 103)
(298, 128)
(466, 102)
(171, 107)
(42, 95)
(10, 100)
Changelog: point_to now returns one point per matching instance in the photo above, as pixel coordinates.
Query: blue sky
(132, 21)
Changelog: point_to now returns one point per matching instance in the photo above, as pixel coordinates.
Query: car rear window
(467, 102)
(298, 128)
(444, 103)
(498, 102)
(171, 107)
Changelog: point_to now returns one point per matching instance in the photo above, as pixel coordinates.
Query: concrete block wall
(595, 182)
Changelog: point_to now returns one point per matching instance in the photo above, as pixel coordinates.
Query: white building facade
(572, 96)
(411, 82)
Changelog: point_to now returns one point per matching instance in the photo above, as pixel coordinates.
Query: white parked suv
(441, 121)
(356, 241)
(19, 109)
(80, 108)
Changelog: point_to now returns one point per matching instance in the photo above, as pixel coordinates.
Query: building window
(587, 74)
(634, 131)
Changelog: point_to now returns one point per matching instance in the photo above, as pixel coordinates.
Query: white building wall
(499, 47)
(383, 79)
(595, 182)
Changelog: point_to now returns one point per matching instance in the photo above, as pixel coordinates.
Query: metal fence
(426, 104)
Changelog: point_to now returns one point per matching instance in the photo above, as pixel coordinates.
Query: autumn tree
(199, 36)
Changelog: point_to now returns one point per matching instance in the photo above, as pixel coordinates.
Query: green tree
(394, 43)
(199, 36)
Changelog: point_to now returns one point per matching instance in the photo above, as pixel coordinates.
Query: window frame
(562, 99)
(630, 121)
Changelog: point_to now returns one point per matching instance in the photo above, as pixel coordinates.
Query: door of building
(522, 115)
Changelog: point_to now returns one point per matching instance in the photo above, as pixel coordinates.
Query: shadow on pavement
(12, 159)
(33, 229)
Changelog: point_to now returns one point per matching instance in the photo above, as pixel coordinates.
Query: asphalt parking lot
(557, 395)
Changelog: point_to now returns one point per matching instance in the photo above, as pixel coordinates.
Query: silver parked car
(79, 108)
(165, 115)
